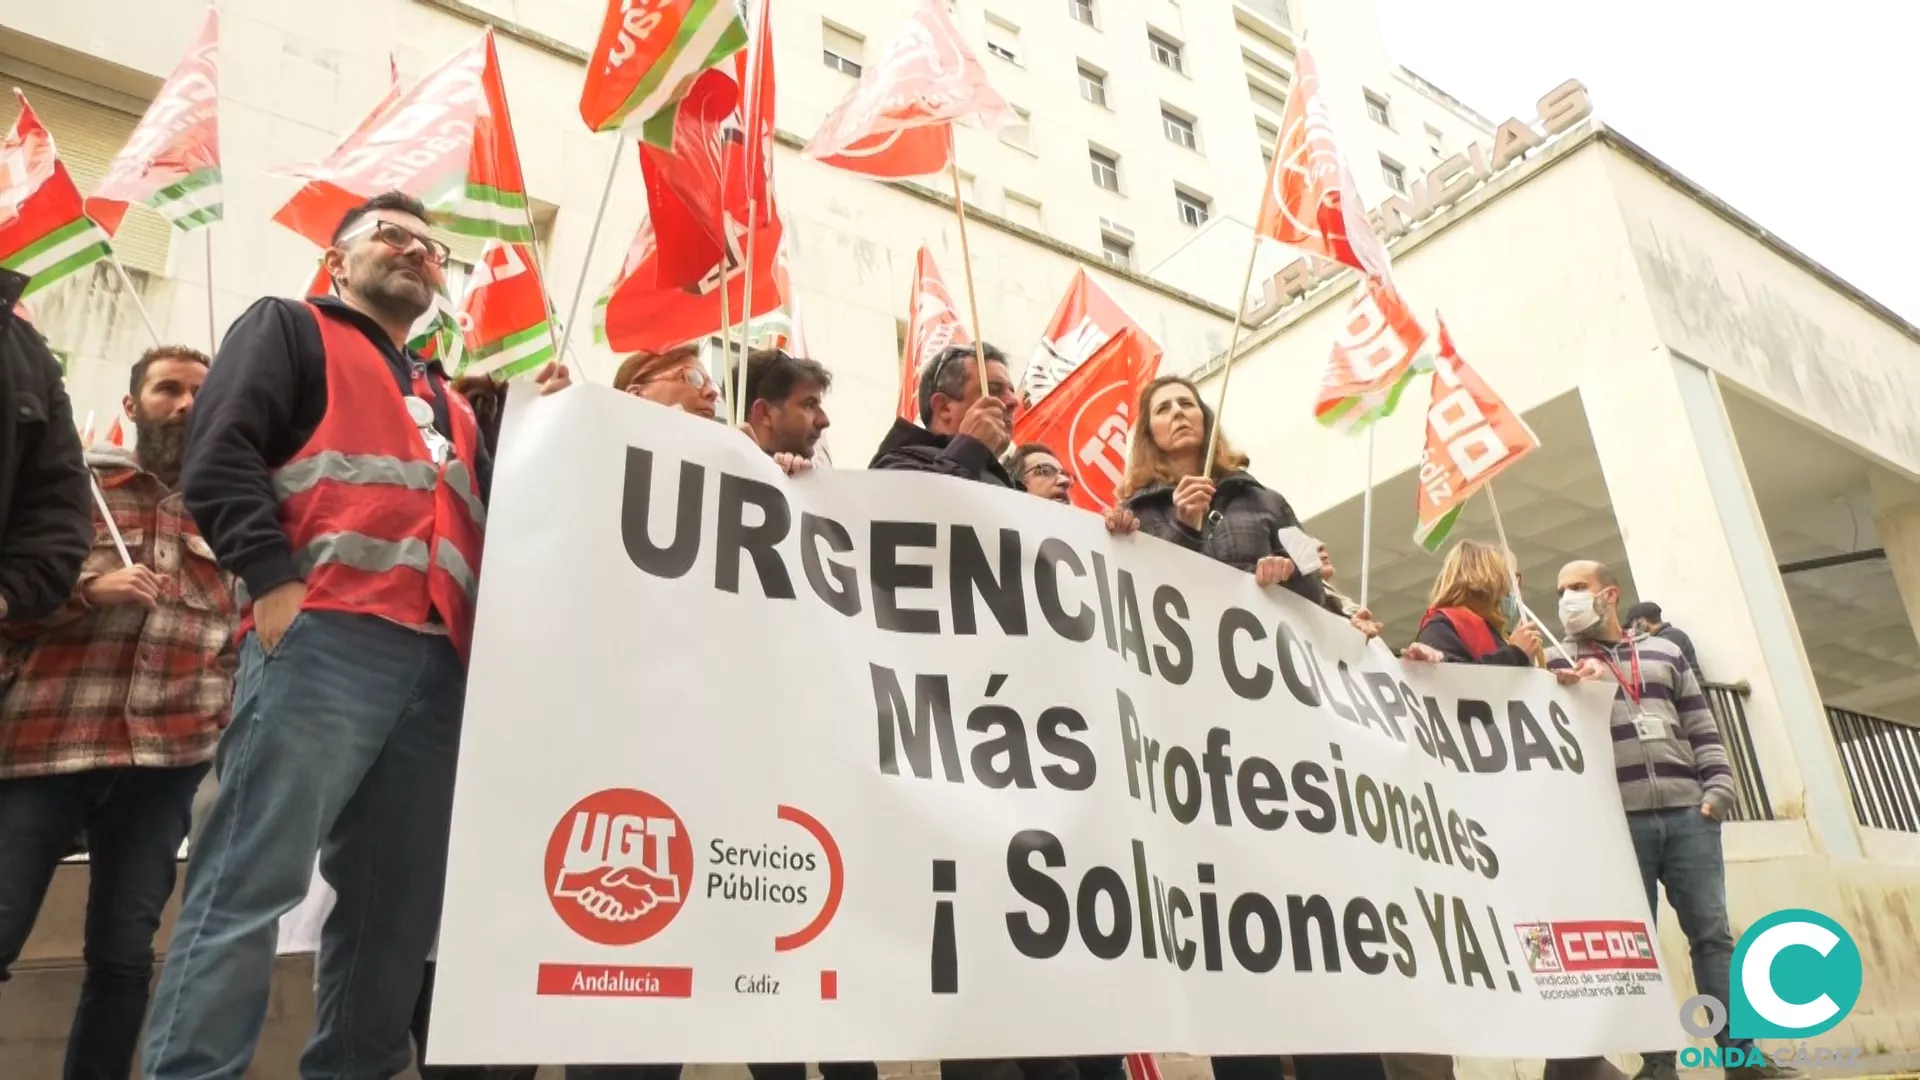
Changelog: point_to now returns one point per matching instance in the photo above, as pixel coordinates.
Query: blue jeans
(343, 742)
(1682, 848)
(134, 820)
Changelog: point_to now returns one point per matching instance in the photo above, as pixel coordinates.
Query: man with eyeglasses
(1037, 471)
(674, 378)
(966, 408)
(344, 482)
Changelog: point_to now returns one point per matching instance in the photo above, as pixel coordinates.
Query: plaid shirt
(113, 686)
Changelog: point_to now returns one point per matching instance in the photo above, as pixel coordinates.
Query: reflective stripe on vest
(359, 551)
(303, 475)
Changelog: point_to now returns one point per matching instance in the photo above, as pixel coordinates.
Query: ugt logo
(1796, 974)
(619, 866)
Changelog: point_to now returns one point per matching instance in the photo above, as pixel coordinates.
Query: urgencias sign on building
(1445, 184)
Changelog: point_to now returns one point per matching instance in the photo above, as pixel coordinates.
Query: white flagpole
(106, 515)
(586, 260)
(213, 323)
(1226, 374)
(134, 295)
(1366, 524)
(1513, 573)
(729, 372)
(739, 407)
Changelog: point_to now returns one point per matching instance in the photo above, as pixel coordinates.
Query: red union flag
(1086, 319)
(447, 142)
(1311, 202)
(926, 79)
(639, 313)
(648, 54)
(1471, 437)
(1085, 421)
(503, 314)
(172, 162)
(933, 327)
(1374, 357)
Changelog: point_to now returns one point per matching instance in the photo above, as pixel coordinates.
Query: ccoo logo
(619, 866)
(1796, 973)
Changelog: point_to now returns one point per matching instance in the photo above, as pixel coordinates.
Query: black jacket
(46, 505)
(1440, 635)
(912, 448)
(1243, 527)
(262, 401)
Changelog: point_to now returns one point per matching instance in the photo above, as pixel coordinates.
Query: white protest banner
(883, 766)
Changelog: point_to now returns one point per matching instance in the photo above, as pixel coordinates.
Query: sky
(1803, 116)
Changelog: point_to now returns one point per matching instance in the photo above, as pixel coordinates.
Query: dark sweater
(1243, 527)
(1439, 635)
(912, 448)
(46, 506)
(263, 399)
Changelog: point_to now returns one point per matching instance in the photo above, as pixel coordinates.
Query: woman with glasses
(674, 378)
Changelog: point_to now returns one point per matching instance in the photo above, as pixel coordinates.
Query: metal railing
(1729, 704)
(1882, 761)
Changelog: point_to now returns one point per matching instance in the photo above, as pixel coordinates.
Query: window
(1393, 174)
(1377, 110)
(1178, 129)
(1022, 210)
(1003, 40)
(1093, 86)
(1266, 99)
(1081, 10)
(1269, 136)
(1436, 141)
(1117, 251)
(1262, 70)
(1106, 169)
(842, 50)
(1193, 209)
(1020, 135)
(1166, 53)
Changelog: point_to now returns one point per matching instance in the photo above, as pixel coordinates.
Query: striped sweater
(1685, 769)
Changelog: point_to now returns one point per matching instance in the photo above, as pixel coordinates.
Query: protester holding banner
(1469, 611)
(966, 409)
(1675, 783)
(1340, 603)
(342, 480)
(786, 409)
(673, 378)
(1037, 471)
(112, 708)
(1235, 519)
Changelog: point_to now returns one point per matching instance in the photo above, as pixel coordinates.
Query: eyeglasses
(1046, 472)
(695, 377)
(400, 238)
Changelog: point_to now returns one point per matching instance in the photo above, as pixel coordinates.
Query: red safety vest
(377, 527)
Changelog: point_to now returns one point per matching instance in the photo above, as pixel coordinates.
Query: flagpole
(106, 515)
(213, 323)
(753, 88)
(1366, 524)
(1226, 375)
(1513, 571)
(134, 294)
(729, 373)
(593, 235)
(966, 258)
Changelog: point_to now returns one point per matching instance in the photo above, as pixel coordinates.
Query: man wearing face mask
(1675, 782)
(344, 481)
(109, 712)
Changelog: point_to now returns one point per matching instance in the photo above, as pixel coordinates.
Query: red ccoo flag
(899, 120)
(1085, 421)
(933, 327)
(1311, 202)
(1471, 437)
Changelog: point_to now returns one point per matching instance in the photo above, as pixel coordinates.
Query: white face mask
(1579, 614)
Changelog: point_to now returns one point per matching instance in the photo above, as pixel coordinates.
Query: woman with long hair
(1221, 512)
(1473, 613)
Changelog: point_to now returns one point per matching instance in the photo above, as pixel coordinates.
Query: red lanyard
(1632, 690)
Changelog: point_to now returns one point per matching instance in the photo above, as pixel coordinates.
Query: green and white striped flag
(172, 161)
(634, 77)
(44, 230)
